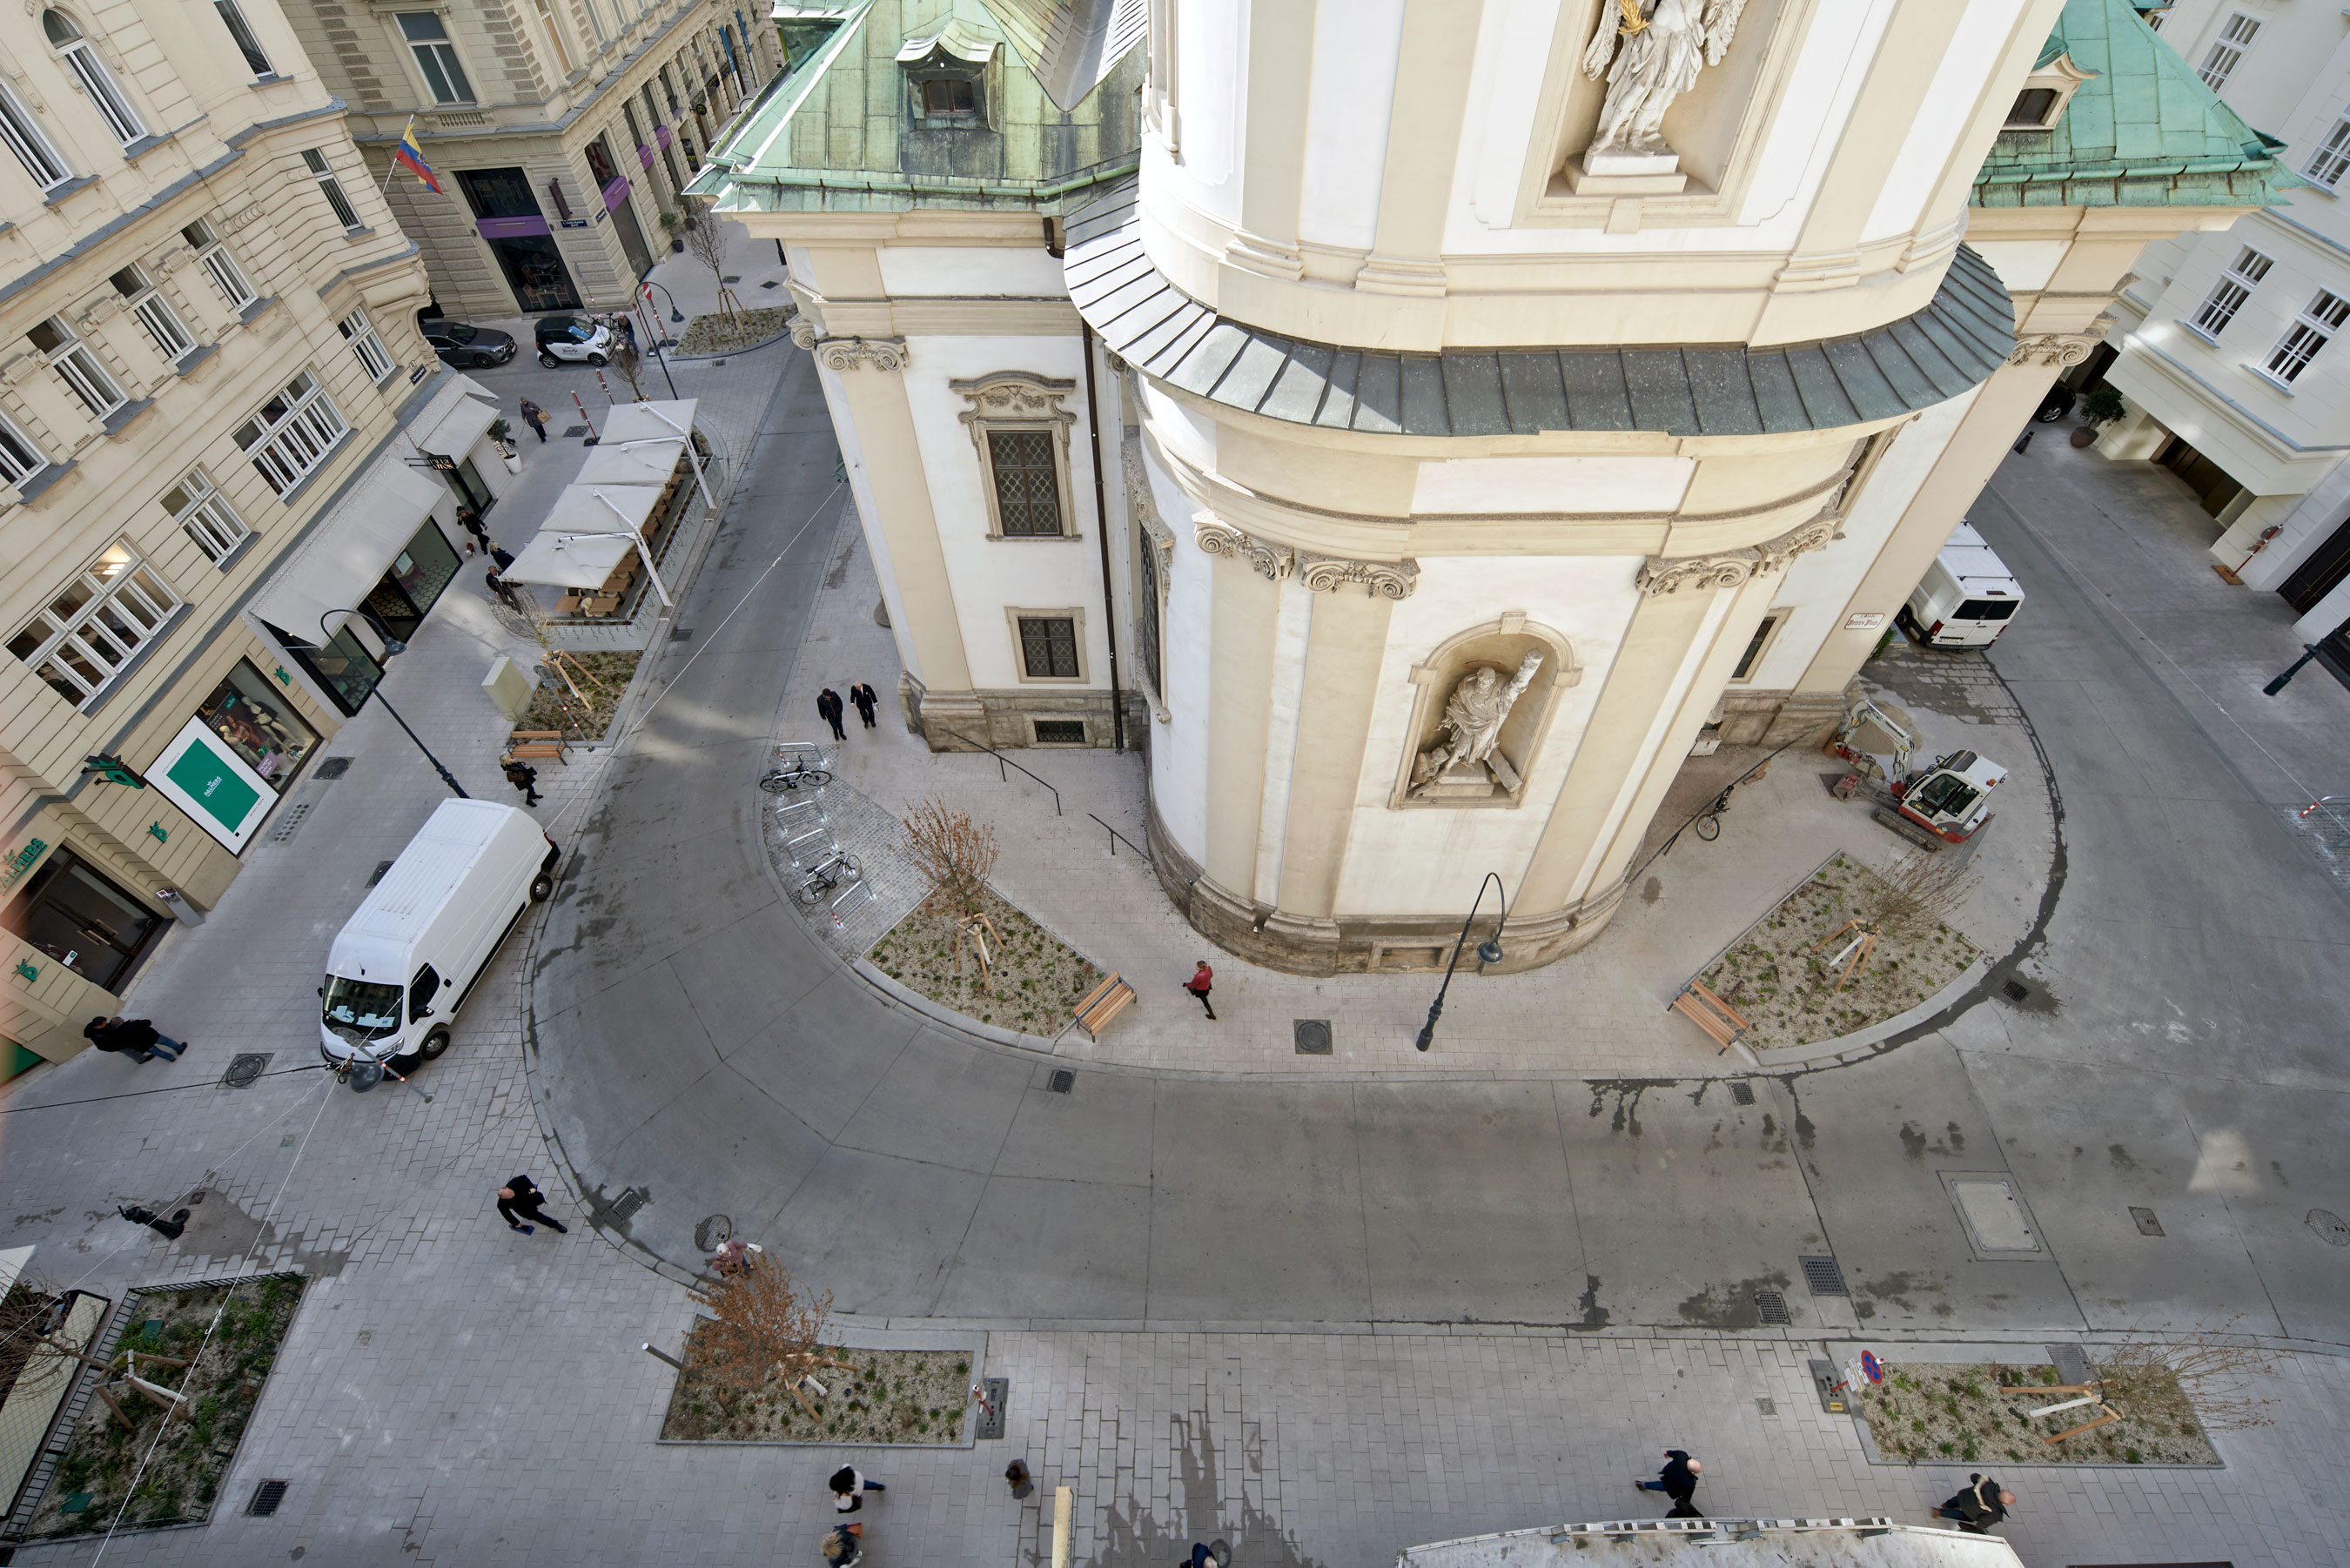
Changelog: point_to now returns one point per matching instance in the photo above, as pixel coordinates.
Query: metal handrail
(1001, 760)
(1117, 838)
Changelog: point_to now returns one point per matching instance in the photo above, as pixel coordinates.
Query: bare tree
(2203, 1380)
(705, 236)
(1916, 893)
(623, 357)
(955, 855)
(764, 1329)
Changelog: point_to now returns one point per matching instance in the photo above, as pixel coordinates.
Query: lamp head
(392, 645)
(1489, 950)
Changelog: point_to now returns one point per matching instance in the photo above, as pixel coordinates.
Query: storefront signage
(198, 773)
(510, 228)
(615, 193)
(574, 224)
(21, 862)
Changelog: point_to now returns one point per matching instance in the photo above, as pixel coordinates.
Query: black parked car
(2055, 405)
(468, 347)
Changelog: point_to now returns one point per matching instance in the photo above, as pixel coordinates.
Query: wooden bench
(540, 743)
(1722, 1023)
(1104, 1003)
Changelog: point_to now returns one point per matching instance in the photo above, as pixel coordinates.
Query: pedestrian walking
(1203, 980)
(500, 558)
(470, 521)
(843, 1545)
(169, 1230)
(519, 1199)
(829, 705)
(136, 1037)
(863, 696)
(524, 777)
(1016, 1475)
(503, 589)
(849, 1485)
(1983, 1504)
(535, 417)
(1677, 1480)
(1207, 1554)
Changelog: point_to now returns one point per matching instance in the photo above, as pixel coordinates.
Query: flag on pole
(408, 154)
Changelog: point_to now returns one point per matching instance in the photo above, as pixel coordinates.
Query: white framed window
(197, 507)
(436, 56)
(2319, 321)
(365, 344)
(213, 252)
(20, 460)
(294, 434)
(76, 366)
(90, 632)
(95, 78)
(240, 32)
(2228, 50)
(31, 145)
(315, 160)
(555, 35)
(2327, 163)
(2227, 294)
(154, 313)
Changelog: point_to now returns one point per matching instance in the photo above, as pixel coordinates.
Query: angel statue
(1474, 716)
(1662, 49)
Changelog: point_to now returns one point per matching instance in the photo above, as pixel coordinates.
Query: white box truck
(1966, 597)
(403, 965)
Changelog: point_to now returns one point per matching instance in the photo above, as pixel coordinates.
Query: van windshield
(360, 1010)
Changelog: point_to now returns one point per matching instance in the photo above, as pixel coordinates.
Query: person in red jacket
(1203, 980)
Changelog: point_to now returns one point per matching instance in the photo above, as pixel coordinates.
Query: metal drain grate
(1313, 1035)
(681, 634)
(2017, 991)
(732, 277)
(626, 1205)
(1771, 1305)
(2147, 1225)
(771, 283)
(995, 1392)
(1823, 1276)
(332, 768)
(1062, 1081)
(1741, 1092)
(291, 821)
(2330, 1227)
(575, 430)
(265, 1499)
(245, 1068)
(380, 867)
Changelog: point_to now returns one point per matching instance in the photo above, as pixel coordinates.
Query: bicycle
(797, 776)
(825, 879)
(1709, 821)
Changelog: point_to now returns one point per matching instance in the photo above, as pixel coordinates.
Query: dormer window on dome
(946, 78)
(2045, 92)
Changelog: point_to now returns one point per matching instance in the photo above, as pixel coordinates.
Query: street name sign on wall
(198, 773)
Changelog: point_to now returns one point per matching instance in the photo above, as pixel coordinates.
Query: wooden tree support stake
(2111, 1415)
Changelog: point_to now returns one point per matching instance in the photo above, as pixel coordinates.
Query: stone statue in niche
(1467, 764)
(1657, 49)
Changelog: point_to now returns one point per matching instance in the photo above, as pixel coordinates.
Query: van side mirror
(322, 991)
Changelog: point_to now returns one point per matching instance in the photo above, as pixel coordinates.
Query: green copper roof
(2142, 131)
(841, 133)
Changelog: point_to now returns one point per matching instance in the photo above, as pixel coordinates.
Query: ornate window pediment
(1021, 428)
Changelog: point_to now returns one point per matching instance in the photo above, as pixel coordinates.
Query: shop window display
(259, 725)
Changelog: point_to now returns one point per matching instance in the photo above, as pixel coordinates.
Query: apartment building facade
(559, 131)
(215, 412)
(2226, 343)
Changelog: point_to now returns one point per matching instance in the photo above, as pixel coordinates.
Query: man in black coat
(135, 1037)
(1977, 1508)
(519, 1199)
(862, 694)
(829, 705)
(1677, 1480)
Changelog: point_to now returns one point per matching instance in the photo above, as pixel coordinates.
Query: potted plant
(502, 436)
(671, 224)
(2101, 405)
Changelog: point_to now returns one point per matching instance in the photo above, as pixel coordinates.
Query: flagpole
(384, 188)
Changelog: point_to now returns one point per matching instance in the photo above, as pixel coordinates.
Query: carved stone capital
(1381, 579)
(1272, 561)
(848, 353)
(1733, 568)
(1804, 537)
(2058, 348)
(804, 334)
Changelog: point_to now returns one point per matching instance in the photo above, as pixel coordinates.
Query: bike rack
(784, 810)
(792, 848)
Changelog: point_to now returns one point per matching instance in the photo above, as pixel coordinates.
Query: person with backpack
(137, 1038)
(843, 1546)
(1981, 1505)
(524, 777)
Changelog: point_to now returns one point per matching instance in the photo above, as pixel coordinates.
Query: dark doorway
(470, 488)
(85, 921)
(506, 213)
(342, 664)
(2335, 653)
(414, 583)
(2211, 483)
(2320, 573)
(632, 238)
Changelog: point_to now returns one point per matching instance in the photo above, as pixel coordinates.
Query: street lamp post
(392, 645)
(2309, 651)
(675, 315)
(1488, 952)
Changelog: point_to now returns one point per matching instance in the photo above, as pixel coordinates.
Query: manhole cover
(380, 867)
(771, 283)
(2016, 991)
(1771, 1305)
(681, 634)
(1312, 1036)
(1823, 1276)
(245, 1068)
(333, 768)
(2330, 1226)
(714, 1233)
(2147, 1225)
(265, 1499)
(1741, 1092)
(1993, 1214)
(1062, 1081)
(575, 430)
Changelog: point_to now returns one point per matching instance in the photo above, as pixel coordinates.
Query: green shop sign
(199, 773)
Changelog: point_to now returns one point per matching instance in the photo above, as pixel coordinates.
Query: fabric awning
(636, 462)
(601, 509)
(640, 422)
(454, 435)
(346, 557)
(568, 560)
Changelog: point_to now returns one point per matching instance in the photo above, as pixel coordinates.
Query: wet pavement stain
(1627, 1093)
(1730, 1306)
(1132, 1535)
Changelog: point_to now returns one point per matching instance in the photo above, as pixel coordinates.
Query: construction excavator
(1946, 802)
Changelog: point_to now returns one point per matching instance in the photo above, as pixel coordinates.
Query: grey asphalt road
(692, 1046)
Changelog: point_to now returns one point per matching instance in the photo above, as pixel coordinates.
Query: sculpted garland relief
(1730, 568)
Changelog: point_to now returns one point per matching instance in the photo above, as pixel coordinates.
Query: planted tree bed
(1036, 980)
(170, 1471)
(1965, 1414)
(1781, 977)
(713, 334)
(554, 707)
(918, 1397)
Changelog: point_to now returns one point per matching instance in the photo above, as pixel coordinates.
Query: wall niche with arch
(1501, 644)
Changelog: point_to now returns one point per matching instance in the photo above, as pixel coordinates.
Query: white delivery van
(405, 962)
(1966, 596)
